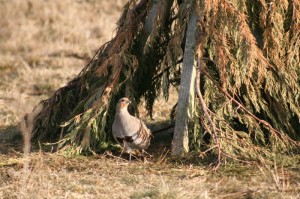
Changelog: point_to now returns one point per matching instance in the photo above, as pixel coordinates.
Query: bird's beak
(128, 101)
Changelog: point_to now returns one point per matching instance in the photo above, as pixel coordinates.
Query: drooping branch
(205, 111)
(85, 101)
(260, 121)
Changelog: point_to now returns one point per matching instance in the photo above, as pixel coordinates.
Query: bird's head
(123, 103)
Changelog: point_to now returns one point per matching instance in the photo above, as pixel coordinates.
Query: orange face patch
(123, 104)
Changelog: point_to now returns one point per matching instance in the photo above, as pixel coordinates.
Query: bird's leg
(145, 152)
(121, 153)
(123, 147)
(129, 150)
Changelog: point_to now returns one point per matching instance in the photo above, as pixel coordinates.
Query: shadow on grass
(159, 150)
(10, 139)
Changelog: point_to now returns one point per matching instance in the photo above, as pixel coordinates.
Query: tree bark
(180, 144)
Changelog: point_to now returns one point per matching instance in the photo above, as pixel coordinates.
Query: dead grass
(101, 176)
(43, 44)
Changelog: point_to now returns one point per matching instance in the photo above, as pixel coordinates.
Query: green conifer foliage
(249, 52)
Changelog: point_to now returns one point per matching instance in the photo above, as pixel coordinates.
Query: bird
(130, 132)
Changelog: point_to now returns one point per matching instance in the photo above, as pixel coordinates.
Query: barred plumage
(130, 132)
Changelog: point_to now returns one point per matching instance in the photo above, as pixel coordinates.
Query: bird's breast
(126, 125)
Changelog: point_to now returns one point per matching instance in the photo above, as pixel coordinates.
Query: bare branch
(205, 110)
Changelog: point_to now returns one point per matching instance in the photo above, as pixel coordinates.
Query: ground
(44, 44)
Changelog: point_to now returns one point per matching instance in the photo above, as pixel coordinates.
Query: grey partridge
(130, 132)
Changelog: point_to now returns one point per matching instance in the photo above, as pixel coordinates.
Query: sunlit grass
(44, 44)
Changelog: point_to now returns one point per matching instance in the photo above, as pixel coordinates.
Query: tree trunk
(186, 98)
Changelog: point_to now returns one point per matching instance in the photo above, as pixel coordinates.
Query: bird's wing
(130, 125)
(117, 131)
(141, 138)
(132, 131)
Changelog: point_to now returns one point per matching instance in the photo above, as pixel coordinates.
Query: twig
(204, 108)
(163, 129)
(237, 159)
(163, 156)
(207, 150)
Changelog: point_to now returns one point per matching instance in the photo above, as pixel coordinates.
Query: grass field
(44, 44)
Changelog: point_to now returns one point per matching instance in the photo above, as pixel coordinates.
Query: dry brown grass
(101, 176)
(43, 44)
